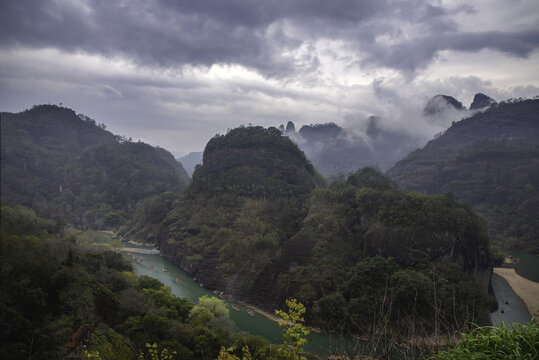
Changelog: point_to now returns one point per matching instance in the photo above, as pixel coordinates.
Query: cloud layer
(175, 72)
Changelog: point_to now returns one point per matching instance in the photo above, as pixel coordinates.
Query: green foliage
(66, 167)
(295, 332)
(350, 251)
(371, 178)
(146, 222)
(152, 353)
(227, 354)
(208, 309)
(386, 257)
(105, 343)
(491, 161)
(254, 162)
(56, 297)
(513, 341)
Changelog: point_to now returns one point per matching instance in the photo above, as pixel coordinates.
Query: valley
(259, 225)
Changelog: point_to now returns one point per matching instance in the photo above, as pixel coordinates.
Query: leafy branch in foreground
(296, 331)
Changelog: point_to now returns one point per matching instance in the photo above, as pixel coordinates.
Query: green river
(255, 325)
(514, 311)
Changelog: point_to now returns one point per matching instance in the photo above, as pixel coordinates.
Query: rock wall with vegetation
(491, 161)
(257, 225)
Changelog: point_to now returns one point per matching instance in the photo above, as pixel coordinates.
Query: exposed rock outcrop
(482, 101)
(441, 103)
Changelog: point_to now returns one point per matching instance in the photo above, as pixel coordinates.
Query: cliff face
(245, 203)
(491, 161)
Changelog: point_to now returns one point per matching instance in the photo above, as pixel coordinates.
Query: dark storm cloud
(172, 33)
(413, 54)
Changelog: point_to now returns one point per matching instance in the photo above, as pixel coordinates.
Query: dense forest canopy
(260, 242)
(64, 166)
(491, 161)
(255, 162)
(257, 223)
(60, 298)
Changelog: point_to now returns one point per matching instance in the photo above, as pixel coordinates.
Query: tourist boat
(150, 266)
(250, 312)
(235, 307)
(178, 281)
(164, 269)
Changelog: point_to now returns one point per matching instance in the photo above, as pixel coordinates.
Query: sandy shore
(526, 289)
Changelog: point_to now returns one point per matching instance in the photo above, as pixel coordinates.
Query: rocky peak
(481, 101)
(441, 103)
(290, 128)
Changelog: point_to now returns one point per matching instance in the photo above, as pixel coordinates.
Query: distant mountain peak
(441, 103)
(290, 128)
(321, 132)
(481, 101)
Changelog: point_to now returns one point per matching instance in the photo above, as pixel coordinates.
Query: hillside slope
(64, 166)
(491, 161)
(257, 224)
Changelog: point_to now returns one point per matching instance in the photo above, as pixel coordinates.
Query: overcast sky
(174, 73)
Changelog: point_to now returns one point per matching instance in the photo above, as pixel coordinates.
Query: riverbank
(526, 289)
(273, 317)
(152, 251)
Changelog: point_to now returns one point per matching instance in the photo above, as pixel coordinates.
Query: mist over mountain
(191, 160)
(65, 166)
(335, 150)
(482, 101)
(441, 103)
(491, 161)
(374, 189)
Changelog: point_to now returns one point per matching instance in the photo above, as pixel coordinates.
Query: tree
(208, 309)
(296, 331)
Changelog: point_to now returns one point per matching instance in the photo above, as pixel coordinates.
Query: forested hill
(491, 161)
(254, 161)
(256, 225)
(65, 166)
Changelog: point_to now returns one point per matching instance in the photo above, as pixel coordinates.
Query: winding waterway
(183, 285)
(255, 325)
(514, 311)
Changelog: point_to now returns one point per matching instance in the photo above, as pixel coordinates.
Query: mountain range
(260, 224)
